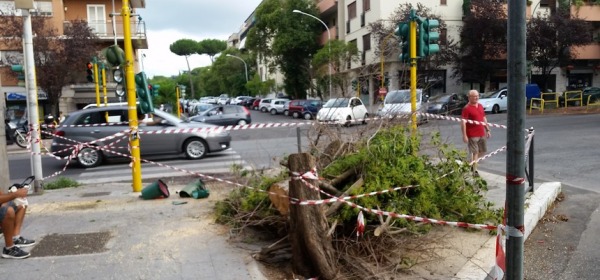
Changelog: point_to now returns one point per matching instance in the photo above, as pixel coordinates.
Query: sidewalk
(15, 149)
(105, 231)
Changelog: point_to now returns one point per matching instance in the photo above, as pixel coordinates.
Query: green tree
(211, 47)
(186, 47)
(167, 93)
(340, 55)
(256, 87)
(287, 39)
(550, 38)
(58, 62)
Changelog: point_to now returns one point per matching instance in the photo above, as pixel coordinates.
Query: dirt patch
(71, 244)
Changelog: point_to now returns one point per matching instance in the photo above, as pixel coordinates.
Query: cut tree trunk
(312, 251)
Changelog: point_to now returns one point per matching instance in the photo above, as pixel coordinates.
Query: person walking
(475, 135)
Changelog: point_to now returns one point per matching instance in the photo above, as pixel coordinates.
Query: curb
(481, 264)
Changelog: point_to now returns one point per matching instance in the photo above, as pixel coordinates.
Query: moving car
(80, 126)
(494, 101)
(398, 103)
(343, 111)
(446, 104)
(224, 115)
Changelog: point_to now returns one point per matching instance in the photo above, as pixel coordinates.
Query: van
(398, 102)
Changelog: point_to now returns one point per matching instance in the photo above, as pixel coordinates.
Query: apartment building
(99, 16)
(348, 20)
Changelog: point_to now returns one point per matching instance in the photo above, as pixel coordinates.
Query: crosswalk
(218, 163)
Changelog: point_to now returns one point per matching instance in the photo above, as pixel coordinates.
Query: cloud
(169, 21)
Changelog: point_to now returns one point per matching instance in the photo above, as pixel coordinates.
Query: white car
(343, 111)
(398, 103)
(265, 105)
(495, 101)
(278, 106)
(238, 100)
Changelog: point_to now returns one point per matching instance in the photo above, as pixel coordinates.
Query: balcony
(327, 7)
(586, 12)
(591, 51)
(104, 31)
(324, 36)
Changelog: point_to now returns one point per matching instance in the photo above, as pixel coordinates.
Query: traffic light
(114, 55)
(354, 84)
(144, 94)
(403, 32)
(154, 89)
(18, 68)
(428, 39)
(90, 72)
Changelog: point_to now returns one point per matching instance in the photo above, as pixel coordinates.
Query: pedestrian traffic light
(144, 94)
(428, 39)
(403, 33)
(90, 72)
(18, 68)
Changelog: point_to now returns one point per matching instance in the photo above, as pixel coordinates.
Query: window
(443, 2)
(366, 42)
(443, 37)
(230, 110)
(352, 10)
(97, 18)
(366, 5)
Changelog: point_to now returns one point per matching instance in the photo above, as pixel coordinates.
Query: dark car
(311, 108)
(256, 103)
(591, 94)
(447, 104)
(224, 115)
(96, 125)
(248, 102)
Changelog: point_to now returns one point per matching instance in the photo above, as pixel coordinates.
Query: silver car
(98, 124)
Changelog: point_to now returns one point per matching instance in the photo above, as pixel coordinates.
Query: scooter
(21, 135)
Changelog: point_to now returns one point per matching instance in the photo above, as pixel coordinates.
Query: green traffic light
(144, 93)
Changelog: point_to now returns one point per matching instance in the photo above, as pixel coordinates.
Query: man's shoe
(14, 253)
(23, 242)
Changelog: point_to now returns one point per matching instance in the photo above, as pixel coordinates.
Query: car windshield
(489, 94)
(167, 116)
(400, 96)
(440, 99)
(337, 103)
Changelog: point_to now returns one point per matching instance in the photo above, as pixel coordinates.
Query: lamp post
(328, 45)
(245, 65)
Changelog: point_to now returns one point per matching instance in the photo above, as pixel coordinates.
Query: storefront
(16, 103)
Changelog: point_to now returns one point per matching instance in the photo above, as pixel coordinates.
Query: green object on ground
(155, 190)
(195, 189)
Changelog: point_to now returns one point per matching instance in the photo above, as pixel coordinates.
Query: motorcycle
(21, 134)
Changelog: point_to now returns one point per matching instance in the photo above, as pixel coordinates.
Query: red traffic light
(90, 66)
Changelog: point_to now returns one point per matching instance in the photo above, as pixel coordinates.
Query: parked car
(446, 104)
(239, 100)
(295, 107)
(248, 102)
(311, 108)
(224, 115)
(398, 102)
(194, 145)
(223, 100)
(343, 111)
(265, 105)
(277, 106)
(494, 101)
(256, 104)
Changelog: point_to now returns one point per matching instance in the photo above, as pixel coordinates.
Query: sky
(170, 20)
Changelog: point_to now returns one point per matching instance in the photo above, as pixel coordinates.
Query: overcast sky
(170, 20)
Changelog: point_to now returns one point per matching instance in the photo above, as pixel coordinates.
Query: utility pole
(515, 158)
(30, 84)
(4, 176)
(413, 70)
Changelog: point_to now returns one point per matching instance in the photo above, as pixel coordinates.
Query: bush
(61, 183)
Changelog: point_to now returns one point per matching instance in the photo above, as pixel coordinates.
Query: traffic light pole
(413, 70)
(95, 63)
(134, 137)
(32, 105)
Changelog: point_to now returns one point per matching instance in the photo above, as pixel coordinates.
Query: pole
(515, 155)
(413, 70)
(245, 65)
(177, 102)
(328, 45)
(103, 72)
(96, 81)
(4, 176)
(382, 56)
(134, 139)
(32, 105)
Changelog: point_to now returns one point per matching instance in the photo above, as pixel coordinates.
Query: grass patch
(61, 183)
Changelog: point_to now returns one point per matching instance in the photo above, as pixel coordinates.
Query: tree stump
(312, 251)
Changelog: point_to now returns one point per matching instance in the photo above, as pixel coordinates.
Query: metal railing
(104, 29)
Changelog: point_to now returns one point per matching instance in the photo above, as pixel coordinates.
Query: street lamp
(328, 45)
(245, 65)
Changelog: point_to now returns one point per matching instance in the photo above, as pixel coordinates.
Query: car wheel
(89, 157)
(263, 109)
(195, 148)
(273, 112)
(496, 109)
(286, 112)
(444, 110)
(307, 116)
(295, 115)
(348, 121)
(242, 122)
(364, 121)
